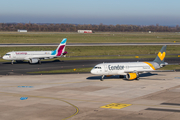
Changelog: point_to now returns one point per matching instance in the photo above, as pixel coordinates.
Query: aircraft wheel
(39, 61)
(102, 78)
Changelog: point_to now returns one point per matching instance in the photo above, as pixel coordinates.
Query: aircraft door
(106, 69)
(13, 55)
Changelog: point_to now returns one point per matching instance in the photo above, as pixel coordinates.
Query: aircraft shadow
(117, 76)
(54, 61)
(99, 77)
(147, 74)
(26, 62)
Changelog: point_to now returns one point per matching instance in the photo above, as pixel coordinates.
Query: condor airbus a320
(130, 69)
(36, 56)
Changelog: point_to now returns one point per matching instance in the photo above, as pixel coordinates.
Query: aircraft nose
(92, 71)
(4, 57)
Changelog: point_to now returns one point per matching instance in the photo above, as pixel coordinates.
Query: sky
(108, 12)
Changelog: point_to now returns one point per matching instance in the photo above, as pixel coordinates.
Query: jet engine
(34, 60)
(132, 76)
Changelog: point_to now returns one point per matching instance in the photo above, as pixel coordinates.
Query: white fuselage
(36, 56)
(26, 55)
(130, 69)
(122, 68)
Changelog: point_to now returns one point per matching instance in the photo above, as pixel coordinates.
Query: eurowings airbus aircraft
(36, 56)
(130, 69)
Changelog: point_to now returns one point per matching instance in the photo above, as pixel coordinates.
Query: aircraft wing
(41, 58)
(136, 71)
(163, 71)
(149, 71)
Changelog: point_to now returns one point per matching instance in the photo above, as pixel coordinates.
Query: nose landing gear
(102, 78)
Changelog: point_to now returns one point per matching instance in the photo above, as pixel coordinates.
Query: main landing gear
(39, 61)
(12, 62)
(102, 78)
(137, 78)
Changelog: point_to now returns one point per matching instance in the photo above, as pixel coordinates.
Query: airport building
(84, 31)
(21, 30)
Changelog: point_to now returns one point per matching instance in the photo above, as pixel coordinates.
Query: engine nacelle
(131, 76)
(33, 60)
(49, 57)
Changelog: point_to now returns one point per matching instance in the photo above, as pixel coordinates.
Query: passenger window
(97, 67)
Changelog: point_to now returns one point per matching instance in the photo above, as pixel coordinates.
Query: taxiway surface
(84, 97)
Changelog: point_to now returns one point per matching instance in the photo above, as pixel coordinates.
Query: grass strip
(170, 67)
(99, 50)
(75, 70)
(99, 37)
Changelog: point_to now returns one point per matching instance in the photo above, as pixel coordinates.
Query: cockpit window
(97, 67)
(8, 54)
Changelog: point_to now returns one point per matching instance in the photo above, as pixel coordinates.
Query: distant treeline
(94, 28)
